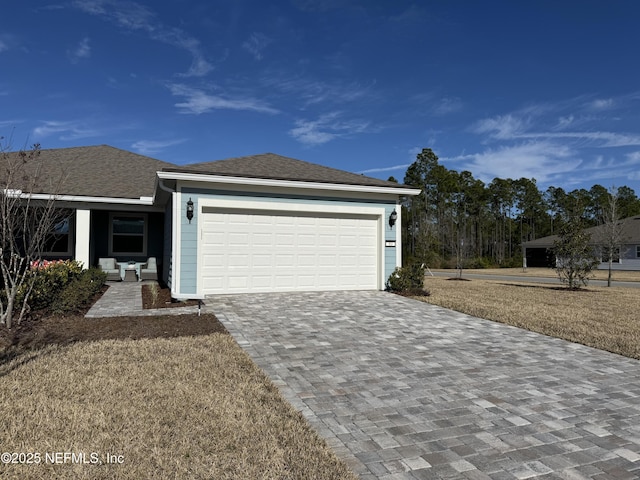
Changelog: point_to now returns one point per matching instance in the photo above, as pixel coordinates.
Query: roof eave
(146, 201)
(279, 183)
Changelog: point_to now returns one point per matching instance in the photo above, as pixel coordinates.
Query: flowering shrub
(43, 264)
(48, 279)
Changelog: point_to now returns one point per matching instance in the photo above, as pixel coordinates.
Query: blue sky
(538, 89)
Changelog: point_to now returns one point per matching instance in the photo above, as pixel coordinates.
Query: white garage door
(266, 251)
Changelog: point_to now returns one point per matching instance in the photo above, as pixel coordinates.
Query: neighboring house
(262, 223)
(539, 253)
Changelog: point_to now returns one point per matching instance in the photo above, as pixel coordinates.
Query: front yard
(114, 398)
(604, 318)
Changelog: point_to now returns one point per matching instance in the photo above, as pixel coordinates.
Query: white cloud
(512, 127)
(604, 139)
(326, 128)
(198, 101)
(311, 91)
(386, 169)
(256, 44)
(500, 127)
(447, 105)
(82, 50)
(150, 147)
(539, 160)
(564, 122)
(602, 104)
(66, 130)
(3, 46)
(136, 17)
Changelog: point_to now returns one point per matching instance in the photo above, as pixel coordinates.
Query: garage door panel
(260, 239)
(261, 260)
(236, 260)
(251, 252)
(262, 282)
(285, 240)
(238, 282)
(307, 261)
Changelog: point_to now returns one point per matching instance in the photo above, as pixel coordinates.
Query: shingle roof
(277, 167)
(104, 171)
(630, 234)
(96, 171)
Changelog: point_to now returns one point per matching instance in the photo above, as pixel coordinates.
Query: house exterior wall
(629, 259)
(188, 254)
(168, 244)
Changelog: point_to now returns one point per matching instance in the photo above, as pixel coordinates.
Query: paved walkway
(405, 390)
(125, 299)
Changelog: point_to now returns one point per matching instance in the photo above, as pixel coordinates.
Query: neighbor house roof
(277, 167)
(97, 171)
(630, 234)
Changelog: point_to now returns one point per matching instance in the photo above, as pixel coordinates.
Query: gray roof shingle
(96, 171)
(630, 234)
(104, 171)
(277, 167)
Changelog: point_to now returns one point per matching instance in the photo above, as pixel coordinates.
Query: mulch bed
(161, 298)
(42, 329)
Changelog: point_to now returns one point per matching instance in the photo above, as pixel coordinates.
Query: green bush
(48, 280)
(480, 262)
(408, 279)
(79, 292)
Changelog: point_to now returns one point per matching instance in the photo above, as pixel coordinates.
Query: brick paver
(124, 299)
(405, 390)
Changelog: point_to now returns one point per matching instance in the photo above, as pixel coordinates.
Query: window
(615, 257)
(59, 240)
(128, 234)
(637, 251)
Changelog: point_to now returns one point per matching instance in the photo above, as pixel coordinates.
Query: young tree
(575, 258)
(611, 236)
(28, 216)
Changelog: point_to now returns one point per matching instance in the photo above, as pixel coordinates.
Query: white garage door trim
(376, 213)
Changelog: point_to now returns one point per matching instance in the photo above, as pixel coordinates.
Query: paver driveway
(403, 389)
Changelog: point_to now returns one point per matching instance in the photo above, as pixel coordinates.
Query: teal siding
(389, 252)
(188, 246)
(167, 256)
(189, 254)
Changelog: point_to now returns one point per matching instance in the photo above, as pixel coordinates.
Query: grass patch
(604, 318)
(178, 407)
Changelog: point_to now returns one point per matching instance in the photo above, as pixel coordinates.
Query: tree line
(458, 220)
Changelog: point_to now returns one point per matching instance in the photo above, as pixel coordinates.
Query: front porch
(129, 237)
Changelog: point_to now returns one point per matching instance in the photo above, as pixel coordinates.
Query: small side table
(130, 275)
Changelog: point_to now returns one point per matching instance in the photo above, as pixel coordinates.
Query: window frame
(70, 237)
(145, 229)
(604, 258)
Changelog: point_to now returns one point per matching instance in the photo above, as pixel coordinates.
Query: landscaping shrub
(49, 279)
(408, 280)
(480, 263)
(79, 292)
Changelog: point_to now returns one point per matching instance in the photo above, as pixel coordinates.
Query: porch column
(83, 228)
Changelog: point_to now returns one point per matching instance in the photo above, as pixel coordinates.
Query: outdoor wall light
(189, 209)
(392, 219)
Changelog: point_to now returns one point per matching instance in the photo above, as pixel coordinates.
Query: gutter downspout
(174, 239)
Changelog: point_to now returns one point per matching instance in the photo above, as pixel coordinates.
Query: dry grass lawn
(604, 318)
(619, 275)
(185, 407)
